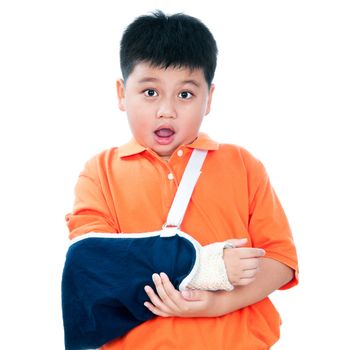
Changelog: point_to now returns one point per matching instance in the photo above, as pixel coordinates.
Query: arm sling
(105, 273)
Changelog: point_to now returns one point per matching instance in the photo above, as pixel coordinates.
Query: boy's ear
(121, 94)
(210, 96)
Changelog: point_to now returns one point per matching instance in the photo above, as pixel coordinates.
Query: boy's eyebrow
(148, 80)
(193, 82)
(153, 80)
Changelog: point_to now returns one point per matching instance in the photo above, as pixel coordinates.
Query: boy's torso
(138, 189)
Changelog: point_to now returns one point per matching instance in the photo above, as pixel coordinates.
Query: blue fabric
(103, 284)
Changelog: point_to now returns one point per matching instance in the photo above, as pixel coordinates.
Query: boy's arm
(93, 209)
(272, 276)
(268, 229)
(220, 267)
(104, 276)
(195, 303)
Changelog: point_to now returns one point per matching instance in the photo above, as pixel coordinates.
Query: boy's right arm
(93, 209)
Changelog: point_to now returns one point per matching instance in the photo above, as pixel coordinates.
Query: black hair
(162, 41)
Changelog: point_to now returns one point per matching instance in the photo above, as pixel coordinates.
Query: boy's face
(165, 107)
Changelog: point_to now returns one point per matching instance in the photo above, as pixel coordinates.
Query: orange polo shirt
(130, 189)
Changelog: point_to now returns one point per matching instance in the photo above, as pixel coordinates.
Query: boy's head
(162, 41)
(168, 64)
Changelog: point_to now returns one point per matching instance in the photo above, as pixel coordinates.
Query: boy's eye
(150, 93)
(185, 95)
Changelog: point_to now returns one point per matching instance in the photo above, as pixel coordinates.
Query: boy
(168, 63)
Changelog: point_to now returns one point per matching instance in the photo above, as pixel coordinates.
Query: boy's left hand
(170, 302)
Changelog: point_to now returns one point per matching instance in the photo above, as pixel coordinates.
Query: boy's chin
(165, 155)
(164, 152)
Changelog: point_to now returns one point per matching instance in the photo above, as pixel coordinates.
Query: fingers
(156, 305)
(242, 264)
(166, 291)
(155, 310)
(249, 264)
(165, 300)
(244, 281)
(237, 242)
(171, 302)
(245, 253)
(244, 277)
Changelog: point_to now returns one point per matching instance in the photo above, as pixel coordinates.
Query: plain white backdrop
(282, 92)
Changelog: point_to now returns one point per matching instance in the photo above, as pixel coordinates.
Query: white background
(283, 88)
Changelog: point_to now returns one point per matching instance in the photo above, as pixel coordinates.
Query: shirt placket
(173, 170)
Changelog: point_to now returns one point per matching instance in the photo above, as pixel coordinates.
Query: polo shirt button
(180, 152)
(170, 176)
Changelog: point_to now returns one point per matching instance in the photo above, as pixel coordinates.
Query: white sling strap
(186, 187)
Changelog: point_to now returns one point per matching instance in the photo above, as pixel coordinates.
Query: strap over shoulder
(186, 187)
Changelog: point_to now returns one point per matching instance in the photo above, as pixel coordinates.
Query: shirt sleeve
(268, 225)
(93, 208)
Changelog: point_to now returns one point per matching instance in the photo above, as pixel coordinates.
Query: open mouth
(164, 132)
(164, 135)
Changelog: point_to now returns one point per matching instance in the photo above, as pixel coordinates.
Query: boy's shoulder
(221, 149)
(237, 161)
(104, 154)
(99, 161)
(238, 153)
(110, 158)
(234, 148)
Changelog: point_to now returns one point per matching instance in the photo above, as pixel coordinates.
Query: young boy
(168, 64)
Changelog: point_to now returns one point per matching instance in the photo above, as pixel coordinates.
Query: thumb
(192, 294)
(237, 242)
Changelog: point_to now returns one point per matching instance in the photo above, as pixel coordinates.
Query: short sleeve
(268, 224)
(91, 211)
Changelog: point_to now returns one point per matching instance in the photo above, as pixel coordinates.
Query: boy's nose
(166, 110)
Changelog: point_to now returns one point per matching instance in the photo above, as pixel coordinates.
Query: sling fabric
(104, 278)
(105, 274)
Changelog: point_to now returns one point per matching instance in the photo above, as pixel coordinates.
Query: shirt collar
(203, 141)
(130, 148)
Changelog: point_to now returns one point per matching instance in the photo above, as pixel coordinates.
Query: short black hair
(178, 40)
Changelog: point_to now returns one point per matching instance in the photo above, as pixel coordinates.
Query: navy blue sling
(105, 273)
